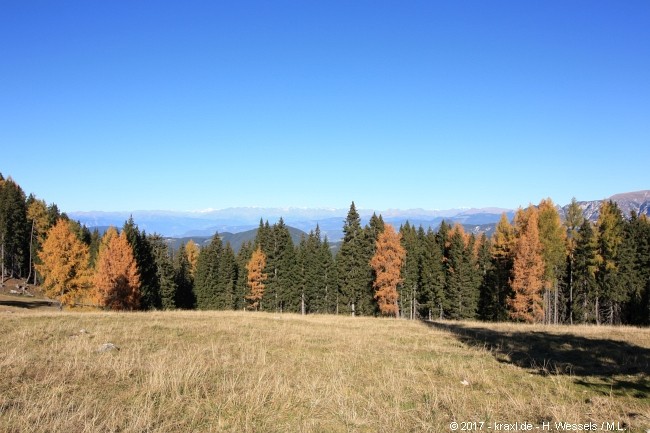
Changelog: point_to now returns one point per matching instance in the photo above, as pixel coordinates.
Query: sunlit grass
(256, 372)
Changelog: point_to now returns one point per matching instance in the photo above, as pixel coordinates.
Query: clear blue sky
(123, 105)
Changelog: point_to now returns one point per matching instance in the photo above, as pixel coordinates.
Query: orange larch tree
(64, 264)
(117, 284)
(192, 251)
(387, 264)
(256, 279)
(527, 270)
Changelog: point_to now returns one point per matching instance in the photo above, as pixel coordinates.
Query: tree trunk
(302, 304)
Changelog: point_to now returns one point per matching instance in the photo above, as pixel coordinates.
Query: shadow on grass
(596, 361)
(27, 303)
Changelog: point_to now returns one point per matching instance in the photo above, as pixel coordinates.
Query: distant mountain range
(238, 224)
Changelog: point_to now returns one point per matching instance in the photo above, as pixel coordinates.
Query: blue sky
(122, 105)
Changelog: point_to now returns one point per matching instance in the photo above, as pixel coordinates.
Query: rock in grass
(107, 347)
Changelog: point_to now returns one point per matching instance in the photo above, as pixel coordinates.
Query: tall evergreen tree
(461, 290)
(585, 266)
(146, 266)
(227, 278)
(241, 286)
(280, 288)
(14, 231)
(185, 297)
(432, 276)
(165, 273)
(573, 222)
(351, 265)
(366, 303)
(206, 281)
(410, 285)
(487, 306)
(552, 237)
(612, 291)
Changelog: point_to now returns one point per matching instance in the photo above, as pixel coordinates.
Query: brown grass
(256, 372)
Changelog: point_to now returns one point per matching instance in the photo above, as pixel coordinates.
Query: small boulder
(107, 347)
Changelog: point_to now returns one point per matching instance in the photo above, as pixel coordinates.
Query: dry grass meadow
(256, 372)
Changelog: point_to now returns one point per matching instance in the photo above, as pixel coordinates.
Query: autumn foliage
(117, 284)
(387, 264)
(256, 279)
(64, 265)
(528, 269)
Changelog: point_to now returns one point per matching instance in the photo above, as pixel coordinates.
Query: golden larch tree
(256, 279)
(64, 265)
(117, 284)
(192, 251)
(387, 264)
(527, 269)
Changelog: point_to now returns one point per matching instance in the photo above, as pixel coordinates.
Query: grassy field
(255, 372)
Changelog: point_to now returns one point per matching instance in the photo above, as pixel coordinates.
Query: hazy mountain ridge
(232, 221)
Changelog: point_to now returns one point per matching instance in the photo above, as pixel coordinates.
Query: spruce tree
(14, 231)
(185, 298)
(431, 276)
(610, 238)
(573, 222)
(149, 285)
(585, 266)
(206, 280)
(553, 240)
(227, 278)
(241, 286)
(410, 285)
(165, 274)
(487, 304)
(351, 265)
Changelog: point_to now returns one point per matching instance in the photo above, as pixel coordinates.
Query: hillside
(255, 372)
(236, 240)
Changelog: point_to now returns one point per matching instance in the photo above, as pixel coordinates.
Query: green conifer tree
(432, 276)
(351, 265)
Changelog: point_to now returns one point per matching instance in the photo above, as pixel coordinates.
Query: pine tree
(633, 268)
(585, 266)
(280, 289)
(527, 269)
(574, 219)
(432, 276)
(206, 281)
(38, 222)
(409, 288)
(387, 265)
(499, 292)
(64, 265)
(227, 276)
(14, 231)
(610, 238)
(256, 279)
(241, 286)
(461, 289)
(145, 262)
(185, 298)
(116, 279)
(351, 265)
(328, 278)
(165, 274)
(553, 240)
(487, 304)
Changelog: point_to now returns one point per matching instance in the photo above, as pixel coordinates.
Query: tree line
(537, 268)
